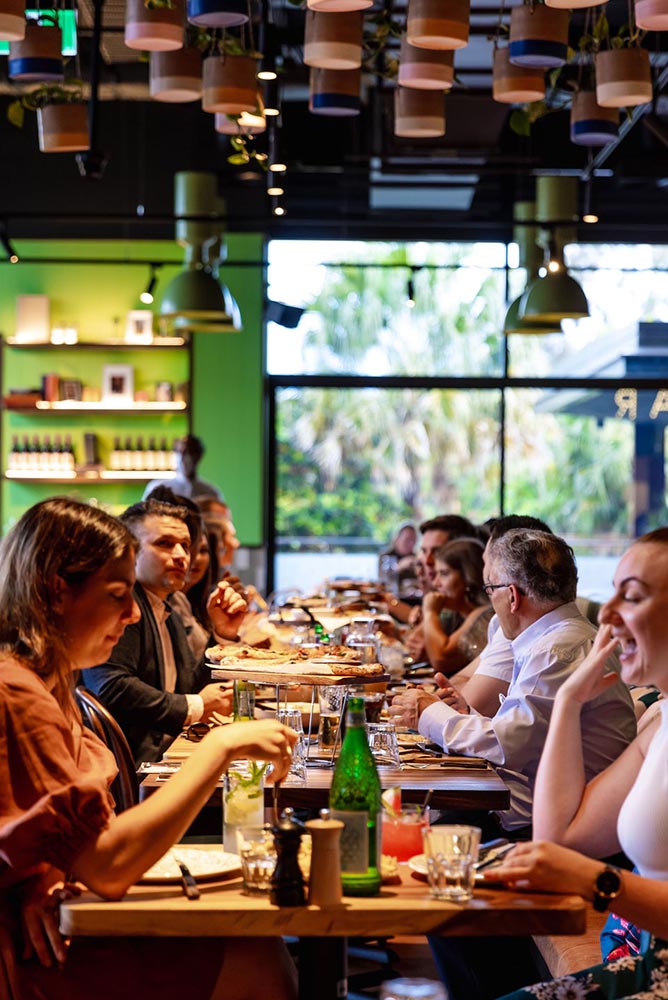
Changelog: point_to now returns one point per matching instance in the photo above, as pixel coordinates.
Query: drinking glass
(373, 705)
(402, 831)
(361, 638)
(382, 737)
(451, 853)
(413, 989)
(243, 799)
(292, 718)
(331, 699)
(257, 853)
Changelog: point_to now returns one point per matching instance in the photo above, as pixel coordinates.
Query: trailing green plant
(599, 37)
(69, 92)
(244, 151)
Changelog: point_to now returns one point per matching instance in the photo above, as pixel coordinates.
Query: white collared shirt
(544, 655)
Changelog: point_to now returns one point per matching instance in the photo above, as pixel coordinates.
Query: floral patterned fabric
(631, 977)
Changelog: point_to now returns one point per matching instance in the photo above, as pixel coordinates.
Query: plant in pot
(62, 120)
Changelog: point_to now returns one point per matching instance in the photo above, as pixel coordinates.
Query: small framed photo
(139, 326)
(71, 390)
(118, 384)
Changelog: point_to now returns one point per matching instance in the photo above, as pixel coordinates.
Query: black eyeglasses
(489, 588)
(196, 732)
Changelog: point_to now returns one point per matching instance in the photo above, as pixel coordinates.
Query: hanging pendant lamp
(154, 29)
(425, 69)
(419, 114)
(538, 36)
(335, 92)
(526, 325)
(176, 77)
(592, 125)
(438, 24)
(623, 78)
(217, 13)
(552, 298)
(12, 20)
(38, 56)
(333, 41)
(229, 84)
(525, 233)
(515, 84)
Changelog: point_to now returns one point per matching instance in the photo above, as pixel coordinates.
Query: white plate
(418, 864)
(212, 862)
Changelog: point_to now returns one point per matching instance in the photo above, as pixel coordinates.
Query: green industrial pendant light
(556, 295)
(195, 299)
(525, 234)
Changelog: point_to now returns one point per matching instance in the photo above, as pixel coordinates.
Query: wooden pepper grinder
(287, 882)
(325, 879)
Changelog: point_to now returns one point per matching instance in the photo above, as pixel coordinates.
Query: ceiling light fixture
(147, 295)
(272, 98)
(275, 192)
(589, 213)
(524, 234)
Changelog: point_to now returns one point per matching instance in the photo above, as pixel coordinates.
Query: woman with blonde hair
(66, 578)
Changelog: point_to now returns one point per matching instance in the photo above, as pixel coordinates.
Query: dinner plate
(212, 862)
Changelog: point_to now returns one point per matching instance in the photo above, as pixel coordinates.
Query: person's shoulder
(18, 682)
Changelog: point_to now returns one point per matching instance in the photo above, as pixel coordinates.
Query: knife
(188, 881)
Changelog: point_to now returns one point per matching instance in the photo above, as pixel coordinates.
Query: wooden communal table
(224, 911)
(454, 787)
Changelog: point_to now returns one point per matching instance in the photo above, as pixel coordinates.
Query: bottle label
(354, 840)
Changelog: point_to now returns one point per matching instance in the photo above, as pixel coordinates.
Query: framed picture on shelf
(118, 384)
(71, 390)
(139, 326)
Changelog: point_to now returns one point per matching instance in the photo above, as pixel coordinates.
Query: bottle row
(129, 455)
(40, 454)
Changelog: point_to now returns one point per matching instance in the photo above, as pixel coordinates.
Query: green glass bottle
(243, 701)
(354, 798)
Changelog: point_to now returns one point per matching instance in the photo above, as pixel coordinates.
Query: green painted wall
(226, 376)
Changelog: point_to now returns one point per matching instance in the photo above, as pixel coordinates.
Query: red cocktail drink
(402, 832)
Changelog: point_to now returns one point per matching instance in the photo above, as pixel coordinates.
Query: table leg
(323, 968)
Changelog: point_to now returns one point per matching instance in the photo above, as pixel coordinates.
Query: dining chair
(97, 718)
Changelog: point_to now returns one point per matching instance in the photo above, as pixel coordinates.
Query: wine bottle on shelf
(354, 798)
(57, 454)
(150, 463)
(68, 454)
(15, 457)
(36, 453)
(138, 455)
(115, 456)
(172, 457)
(163, 456)
(126, 461)
(47, 455)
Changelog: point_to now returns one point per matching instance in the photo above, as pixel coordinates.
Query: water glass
(257, 853)
(243, 800)
(413, 989)
(382, 737)
(331, 697)
(292, 718)
(451, 853)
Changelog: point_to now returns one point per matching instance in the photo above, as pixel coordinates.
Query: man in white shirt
(152, 683)
(531, 579)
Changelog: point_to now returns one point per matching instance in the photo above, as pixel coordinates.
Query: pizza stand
(308, 673)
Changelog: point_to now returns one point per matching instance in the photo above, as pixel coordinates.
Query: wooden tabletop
(454, 787)
(223, 910)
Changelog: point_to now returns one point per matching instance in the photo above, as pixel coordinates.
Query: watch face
(608, 881)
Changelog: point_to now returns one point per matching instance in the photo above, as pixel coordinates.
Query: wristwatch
(607, 886)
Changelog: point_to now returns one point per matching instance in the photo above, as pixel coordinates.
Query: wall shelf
(103, 476)
(72, 406)
(159, 344)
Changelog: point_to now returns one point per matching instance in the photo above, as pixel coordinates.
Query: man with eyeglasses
(531, 580)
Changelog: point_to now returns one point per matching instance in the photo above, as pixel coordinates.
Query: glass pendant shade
(12, 20)
(425, 69)
(217, 13)
(196, 300)
(435, 24)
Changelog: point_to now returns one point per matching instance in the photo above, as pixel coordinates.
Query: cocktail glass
(402, 831)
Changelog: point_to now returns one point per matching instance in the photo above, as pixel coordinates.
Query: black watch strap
(607, 886)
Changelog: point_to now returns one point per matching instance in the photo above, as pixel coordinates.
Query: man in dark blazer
(152, 683)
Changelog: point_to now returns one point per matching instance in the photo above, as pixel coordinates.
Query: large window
(397, 397)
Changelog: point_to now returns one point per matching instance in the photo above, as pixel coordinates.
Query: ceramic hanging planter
(176, 77)
(623, 77)
(154, 29)
(418, 114)
(217, 13)
(38, 55)
(652, 15)
(433, 24)
(229, 84)
(63, 128)
(338, 6)
(12, 20)
(425, 69)
(335, 92)
(247, 123)
(333, 41)
(592, 125)
(538, 36)
(515, 84)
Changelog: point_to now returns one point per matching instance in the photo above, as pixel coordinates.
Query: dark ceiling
(346, 177)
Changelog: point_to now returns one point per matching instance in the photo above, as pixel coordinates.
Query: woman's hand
(434, 603)
(40, 900)
(594, 674)
(264, 740)
(545, 867)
